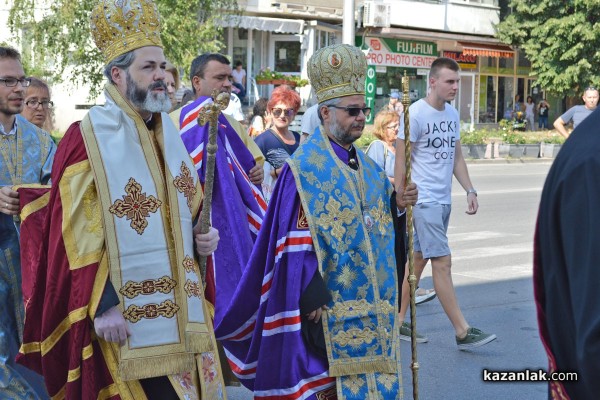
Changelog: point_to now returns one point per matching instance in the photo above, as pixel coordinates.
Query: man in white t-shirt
(310, 121)
(234, 108)
(436, 156)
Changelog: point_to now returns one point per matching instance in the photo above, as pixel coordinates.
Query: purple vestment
(238, 206)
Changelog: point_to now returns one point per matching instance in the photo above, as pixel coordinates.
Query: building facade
(282, 35)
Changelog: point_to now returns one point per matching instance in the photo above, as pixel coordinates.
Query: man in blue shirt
(578, 113)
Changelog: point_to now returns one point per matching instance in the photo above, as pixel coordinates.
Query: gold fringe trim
(197, 342)
(150, 367)
(363, 367)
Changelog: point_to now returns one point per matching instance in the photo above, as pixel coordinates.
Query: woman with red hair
(279, 142)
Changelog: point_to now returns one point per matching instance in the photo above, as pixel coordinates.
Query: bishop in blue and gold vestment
(315, 315)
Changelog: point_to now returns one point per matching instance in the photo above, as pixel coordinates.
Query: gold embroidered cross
(149, 286)
(184, 183)
(136, 206)
(192, 288)
(135, 313)
(335, 218)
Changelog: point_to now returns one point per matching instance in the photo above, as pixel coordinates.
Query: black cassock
(567, 262)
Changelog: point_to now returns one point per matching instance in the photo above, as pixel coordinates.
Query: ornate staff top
(405, 90)
(210, 113)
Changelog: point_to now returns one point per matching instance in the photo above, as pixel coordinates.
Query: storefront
(389, 59)
(501, 78)
(283, 45)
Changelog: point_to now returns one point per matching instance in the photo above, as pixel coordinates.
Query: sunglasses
(289, 112)
(355, 111)
(590, 88)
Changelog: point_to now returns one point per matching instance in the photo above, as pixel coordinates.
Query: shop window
(506, 100)
(487, 100)
(506, 66)
(523, 64)
(287, 56)
(240, 46)
(488, 64)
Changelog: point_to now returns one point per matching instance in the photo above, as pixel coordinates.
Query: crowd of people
(114, 286)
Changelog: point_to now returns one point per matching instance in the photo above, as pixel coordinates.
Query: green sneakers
(474, 338)
(405, 334)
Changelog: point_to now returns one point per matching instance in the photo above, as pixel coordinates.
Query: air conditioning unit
(376, 14)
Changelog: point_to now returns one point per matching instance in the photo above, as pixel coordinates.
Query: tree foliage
(62, 47)
(560, 38)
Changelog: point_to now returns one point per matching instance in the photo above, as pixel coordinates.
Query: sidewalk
(508, 160)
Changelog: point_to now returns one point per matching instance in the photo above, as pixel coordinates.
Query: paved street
(492, 264)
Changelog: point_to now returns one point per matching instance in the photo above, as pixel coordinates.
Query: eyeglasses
(289, 112)
(355, 111)
(34, 104)
(12, 82)
(393, 127)
(590, 88)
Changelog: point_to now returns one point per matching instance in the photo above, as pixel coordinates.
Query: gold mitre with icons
(119, 26)
(337, 71)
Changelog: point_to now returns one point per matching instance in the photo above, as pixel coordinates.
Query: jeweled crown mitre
(119, 26)
(337, 71)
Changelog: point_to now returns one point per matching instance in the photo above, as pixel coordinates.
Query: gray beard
(341, 136)
(145, 100)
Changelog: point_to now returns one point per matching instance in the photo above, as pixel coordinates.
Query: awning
(277, 25)
(487, 50)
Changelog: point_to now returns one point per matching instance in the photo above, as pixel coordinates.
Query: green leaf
(61, 46)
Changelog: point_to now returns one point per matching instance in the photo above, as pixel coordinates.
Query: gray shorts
(431, 227)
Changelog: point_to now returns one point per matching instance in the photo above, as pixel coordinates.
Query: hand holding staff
(210, 114)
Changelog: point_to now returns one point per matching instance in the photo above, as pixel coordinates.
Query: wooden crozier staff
(412, 279)
(210, 113)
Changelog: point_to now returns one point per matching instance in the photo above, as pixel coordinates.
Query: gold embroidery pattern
(136, 206)
(327, 394)
(318, 160)
(192, 288)
(351, 308)
(386, 307)
(188, 264)
(149, 286)
(302, 222)
(92, 211)
(346, 277)
(354, 337)
(135, 313)
(354, 383)
(185, 184)
(381, 214)
(387, 381)
(336, 218)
